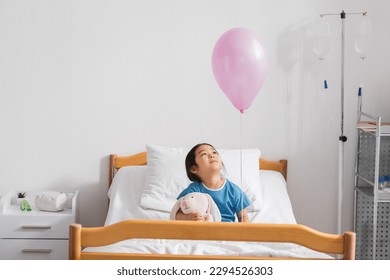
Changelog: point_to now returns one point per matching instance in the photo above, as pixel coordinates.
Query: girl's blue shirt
(229, 198)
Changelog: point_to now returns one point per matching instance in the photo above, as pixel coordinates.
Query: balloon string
(242, 201)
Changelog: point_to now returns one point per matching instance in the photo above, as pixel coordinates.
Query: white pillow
(166, 175)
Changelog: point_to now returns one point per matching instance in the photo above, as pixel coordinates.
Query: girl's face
(207, 160)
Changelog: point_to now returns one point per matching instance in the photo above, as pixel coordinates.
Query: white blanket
(231, 248)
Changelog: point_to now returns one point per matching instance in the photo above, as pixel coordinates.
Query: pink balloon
(239, 65)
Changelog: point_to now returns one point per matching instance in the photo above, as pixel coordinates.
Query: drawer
(30, 249)
(35, 226)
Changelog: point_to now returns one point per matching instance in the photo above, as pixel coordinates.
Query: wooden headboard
(116, 162)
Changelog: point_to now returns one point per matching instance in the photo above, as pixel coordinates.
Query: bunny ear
(209, 204)
(175, 208)
(213, 209)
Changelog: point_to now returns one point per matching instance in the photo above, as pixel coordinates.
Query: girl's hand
(189, 217)
(242, 216)
(195, 217)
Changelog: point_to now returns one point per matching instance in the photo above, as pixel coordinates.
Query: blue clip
(325, 84)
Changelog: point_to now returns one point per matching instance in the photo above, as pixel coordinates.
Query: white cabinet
(35, 234)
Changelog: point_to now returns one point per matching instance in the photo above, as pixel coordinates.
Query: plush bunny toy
(197, 202)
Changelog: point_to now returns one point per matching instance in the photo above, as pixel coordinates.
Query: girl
(203, 166)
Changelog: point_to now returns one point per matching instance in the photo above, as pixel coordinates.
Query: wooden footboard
(79, 237)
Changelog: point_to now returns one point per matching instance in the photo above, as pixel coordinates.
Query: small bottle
(387, 184)
(382, 182)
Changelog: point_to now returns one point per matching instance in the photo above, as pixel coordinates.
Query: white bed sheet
(125, 195)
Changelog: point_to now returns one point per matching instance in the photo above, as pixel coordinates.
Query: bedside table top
(8, 205)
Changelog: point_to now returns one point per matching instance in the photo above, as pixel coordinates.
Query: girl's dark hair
(190, 162)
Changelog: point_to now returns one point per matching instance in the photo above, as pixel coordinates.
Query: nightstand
(35, 234)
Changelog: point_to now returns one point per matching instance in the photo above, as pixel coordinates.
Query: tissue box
(51, 201)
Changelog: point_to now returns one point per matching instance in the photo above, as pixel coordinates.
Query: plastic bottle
(382, 183)
(387, 184)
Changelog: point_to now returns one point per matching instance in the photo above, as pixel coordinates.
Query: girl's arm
(242, 216)
(189, 217)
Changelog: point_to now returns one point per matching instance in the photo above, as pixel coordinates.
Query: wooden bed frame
(342, 246)
(116, 162)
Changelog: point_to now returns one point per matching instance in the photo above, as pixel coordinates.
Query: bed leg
(349, 245)
(74, 242)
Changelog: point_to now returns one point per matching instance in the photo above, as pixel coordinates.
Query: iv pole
(342, 137)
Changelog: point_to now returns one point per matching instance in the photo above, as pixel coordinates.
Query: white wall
(82, 79)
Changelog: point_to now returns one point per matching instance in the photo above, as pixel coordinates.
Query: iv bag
(321, 38)
(363, 36)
